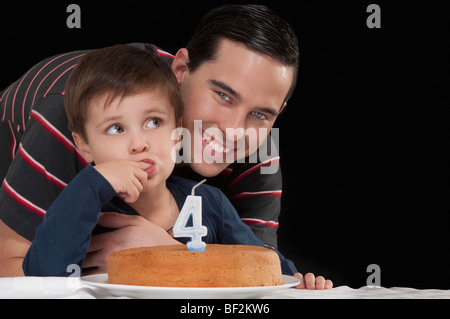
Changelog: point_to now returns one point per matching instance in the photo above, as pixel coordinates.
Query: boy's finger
(133, 192)
(140, 180)
(142, 165)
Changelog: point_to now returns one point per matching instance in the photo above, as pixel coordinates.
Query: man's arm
(45, 162)
(13, 248)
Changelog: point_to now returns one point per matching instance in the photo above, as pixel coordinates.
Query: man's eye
(153, 123)
(223, 96)
(115, 129)
(259, 115)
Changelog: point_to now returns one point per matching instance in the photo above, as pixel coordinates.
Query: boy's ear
(83, 147)
(180, 122)
(179, 64)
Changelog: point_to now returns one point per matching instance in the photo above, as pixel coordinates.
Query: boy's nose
(140, 149)
(139, 145)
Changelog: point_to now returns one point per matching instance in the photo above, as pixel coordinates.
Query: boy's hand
(312, 282)
(127, 178)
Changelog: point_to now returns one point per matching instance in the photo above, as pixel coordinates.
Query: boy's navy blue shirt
(64, 236)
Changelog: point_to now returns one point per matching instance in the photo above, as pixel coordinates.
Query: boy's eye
(114, 129)
(153, 123)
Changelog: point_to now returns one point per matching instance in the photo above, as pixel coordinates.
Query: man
(237, 72)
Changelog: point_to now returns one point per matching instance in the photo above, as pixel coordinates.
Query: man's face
(239, 89)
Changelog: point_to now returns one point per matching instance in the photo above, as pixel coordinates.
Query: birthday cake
(175, 266)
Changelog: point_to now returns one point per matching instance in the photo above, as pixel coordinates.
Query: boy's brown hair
(118, 71)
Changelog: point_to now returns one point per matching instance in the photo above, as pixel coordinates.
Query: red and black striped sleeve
(42, 157)
(257, 196)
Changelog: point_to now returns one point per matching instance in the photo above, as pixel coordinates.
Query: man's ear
(282, 107)
(179, 64)
(83, 147)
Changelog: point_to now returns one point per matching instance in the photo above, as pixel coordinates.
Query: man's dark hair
(255, 26)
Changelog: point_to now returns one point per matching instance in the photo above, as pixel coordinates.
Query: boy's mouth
(152, 167)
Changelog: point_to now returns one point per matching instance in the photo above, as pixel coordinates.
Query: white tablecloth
(73, 288)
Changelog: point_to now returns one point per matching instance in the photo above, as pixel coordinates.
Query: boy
(123, 104)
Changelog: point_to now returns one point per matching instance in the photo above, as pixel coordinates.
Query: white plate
(101, 281)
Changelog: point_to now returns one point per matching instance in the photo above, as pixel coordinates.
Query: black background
(364, 140)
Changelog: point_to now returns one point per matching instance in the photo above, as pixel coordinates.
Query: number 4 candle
(192, 207)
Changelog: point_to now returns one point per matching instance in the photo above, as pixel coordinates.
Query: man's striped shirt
(38, 157)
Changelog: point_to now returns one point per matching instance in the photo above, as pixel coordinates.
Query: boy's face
(238, 89)
(135, 128)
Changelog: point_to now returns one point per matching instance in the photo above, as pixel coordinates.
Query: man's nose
(235, 125)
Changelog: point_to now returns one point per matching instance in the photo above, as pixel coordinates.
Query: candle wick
(193, 188)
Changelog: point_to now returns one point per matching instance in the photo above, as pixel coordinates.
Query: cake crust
(175, 266)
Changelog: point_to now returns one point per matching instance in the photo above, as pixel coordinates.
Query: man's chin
(208, 170)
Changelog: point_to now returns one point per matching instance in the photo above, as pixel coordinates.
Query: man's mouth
(216, 146)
